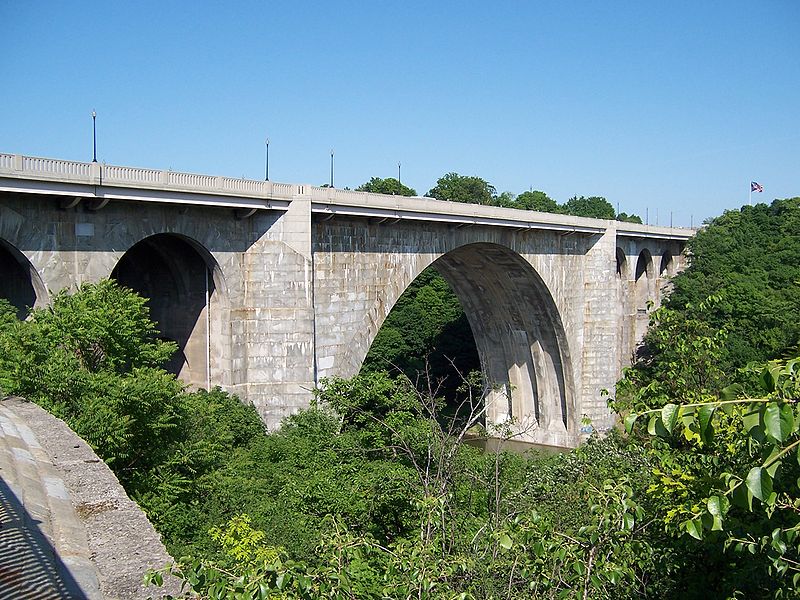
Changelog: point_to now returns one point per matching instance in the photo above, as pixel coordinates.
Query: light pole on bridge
(266, 160)
(94, 136)
(331, 167)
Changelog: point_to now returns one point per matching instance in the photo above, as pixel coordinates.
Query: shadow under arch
(20, 283)
(622, 264)
(187, 299)
(644, 273)
(644, 265)
(520, 340)
(666, 266)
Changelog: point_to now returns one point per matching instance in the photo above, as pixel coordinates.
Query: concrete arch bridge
(269, 287)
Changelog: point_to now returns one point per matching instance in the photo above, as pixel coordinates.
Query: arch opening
(622, 264)
(644, 268)
(427, 337)
(19, 282)
(643, 292)
(520, 340)
(666, 267)
(183, 285)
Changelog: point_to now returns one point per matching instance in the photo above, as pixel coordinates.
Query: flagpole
(750, 199)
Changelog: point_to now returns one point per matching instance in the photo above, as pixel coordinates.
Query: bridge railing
(45, 166)
(17, 165)
(131, 174)
(131, 180)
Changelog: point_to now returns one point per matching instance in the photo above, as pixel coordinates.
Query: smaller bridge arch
(20, 283)
(622, 264)
(644, 265)
(643, 278)
(187, 299)
(666, 267)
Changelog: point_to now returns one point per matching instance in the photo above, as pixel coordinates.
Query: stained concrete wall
(297, 298)
(569, 295)
(260, 310)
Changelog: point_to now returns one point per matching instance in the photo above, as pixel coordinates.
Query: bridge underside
(168, 271)
(18, 280)
(519, 337)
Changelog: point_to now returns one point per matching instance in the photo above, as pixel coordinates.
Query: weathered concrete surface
(99, 540)
(549, 312)
(269, 287)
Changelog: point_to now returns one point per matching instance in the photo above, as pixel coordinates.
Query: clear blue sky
(673, 106)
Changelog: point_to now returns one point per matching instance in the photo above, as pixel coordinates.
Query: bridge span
(269, 287)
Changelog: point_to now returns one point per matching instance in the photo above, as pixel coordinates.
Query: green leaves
(505, 541)
(759, 483)
(696, 421)
(717, 506)
(763, 431)
(669, 417)
(779, 421)
(694, 528)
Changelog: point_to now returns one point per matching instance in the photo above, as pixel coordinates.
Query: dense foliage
(725, 429)
(750, 259)
(426, 336)
(461, 523)
(375, 492)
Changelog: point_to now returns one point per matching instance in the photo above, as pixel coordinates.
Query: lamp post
(331, 167)
(94, 136)
(398, 174)
(266, 160)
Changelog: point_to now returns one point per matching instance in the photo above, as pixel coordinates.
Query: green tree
(463, 188)
(390, 185)
(93, 358)
(506, 200)
(536, 200)
(593, 206)
(626, 218)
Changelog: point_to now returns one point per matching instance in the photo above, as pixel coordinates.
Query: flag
(756, 187)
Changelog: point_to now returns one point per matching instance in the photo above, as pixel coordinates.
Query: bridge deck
(34, 175)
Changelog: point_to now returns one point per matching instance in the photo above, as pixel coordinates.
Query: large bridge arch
(20, 283)
(519, 334)
(187, 298)
(518, 331)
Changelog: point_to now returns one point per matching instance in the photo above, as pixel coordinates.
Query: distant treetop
(536, 200)
(593, 206)
(463, 188)
(390, 185)
(625, 217)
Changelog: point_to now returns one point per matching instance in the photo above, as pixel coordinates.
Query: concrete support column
(602, 329)
(278, 320)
